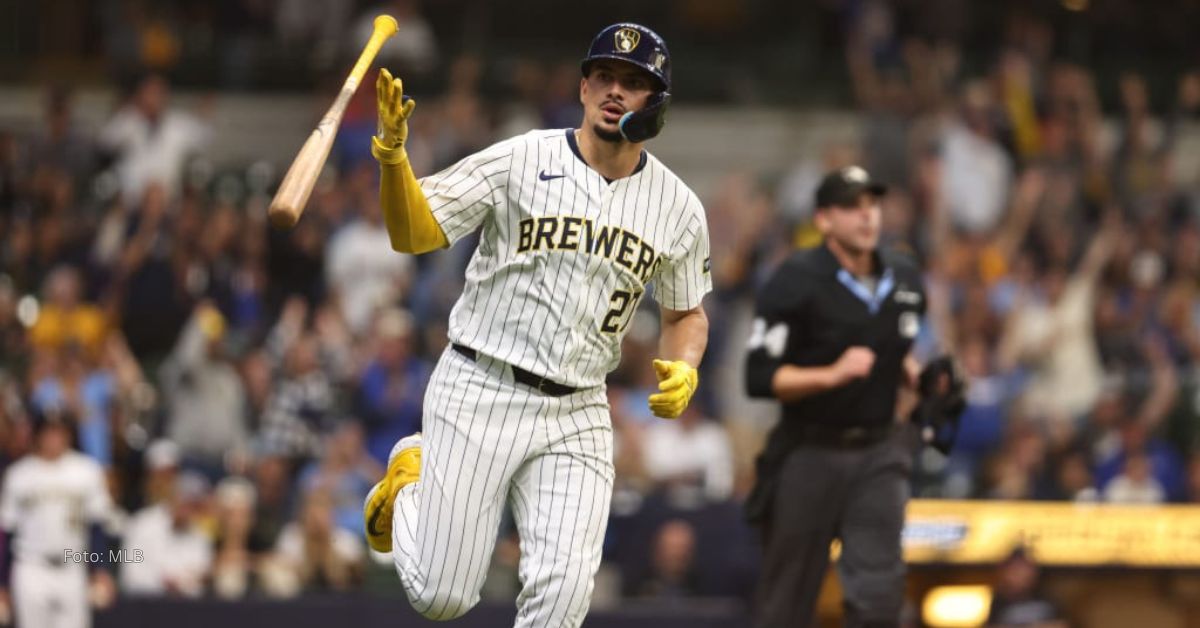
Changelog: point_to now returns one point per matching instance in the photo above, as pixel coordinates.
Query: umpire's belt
(839, 436)
(537, 382)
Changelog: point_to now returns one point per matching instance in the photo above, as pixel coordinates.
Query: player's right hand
(394, 110)
(855, 363)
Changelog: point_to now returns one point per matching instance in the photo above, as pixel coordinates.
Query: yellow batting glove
(677, 383)
(394, 110)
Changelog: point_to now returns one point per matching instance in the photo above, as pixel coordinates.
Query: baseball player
(53, 501)
(577, 226)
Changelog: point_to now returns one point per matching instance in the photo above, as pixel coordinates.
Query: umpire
(831, 341)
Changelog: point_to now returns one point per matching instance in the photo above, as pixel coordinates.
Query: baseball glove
(943, 388)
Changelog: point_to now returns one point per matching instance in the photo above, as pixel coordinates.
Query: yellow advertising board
(946, 531)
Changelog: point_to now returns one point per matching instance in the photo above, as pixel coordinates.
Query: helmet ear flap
(647, 122)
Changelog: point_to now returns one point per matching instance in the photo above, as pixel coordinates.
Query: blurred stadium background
(1045, 164)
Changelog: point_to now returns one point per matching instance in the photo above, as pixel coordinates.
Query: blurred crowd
(242, 386)
(1062, 246)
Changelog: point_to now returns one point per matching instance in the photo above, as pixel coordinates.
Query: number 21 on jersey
(620, 301)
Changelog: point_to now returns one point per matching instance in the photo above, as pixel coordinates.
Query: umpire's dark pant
(857, 494)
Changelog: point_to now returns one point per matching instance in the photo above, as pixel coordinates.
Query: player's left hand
(677, 383)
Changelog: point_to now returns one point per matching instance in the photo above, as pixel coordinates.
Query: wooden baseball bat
(297, 185)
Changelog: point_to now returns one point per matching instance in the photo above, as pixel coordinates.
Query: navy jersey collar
(575, 149)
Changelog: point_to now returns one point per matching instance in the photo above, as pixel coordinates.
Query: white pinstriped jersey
(49, 504)
(565, 256)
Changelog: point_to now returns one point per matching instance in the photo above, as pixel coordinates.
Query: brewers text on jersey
(572, 233)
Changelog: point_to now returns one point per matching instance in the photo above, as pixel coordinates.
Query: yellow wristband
(387, 156)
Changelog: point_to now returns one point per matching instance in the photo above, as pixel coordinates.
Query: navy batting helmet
(635, 44)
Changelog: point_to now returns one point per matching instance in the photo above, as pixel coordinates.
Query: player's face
(854, 227)
(611, 89)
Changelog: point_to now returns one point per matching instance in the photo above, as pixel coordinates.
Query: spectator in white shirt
(150, 142)
(204, 396)
(977, 171)
(176, 555)
(362, 268)
(1051, 335)
(690, 456)
(1136, 484)
(320, 555)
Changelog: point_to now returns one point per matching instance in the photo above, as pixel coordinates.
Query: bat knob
(386, 24)
(281, 218)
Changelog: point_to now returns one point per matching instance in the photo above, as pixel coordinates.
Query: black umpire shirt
(809, 313)
(812, 310)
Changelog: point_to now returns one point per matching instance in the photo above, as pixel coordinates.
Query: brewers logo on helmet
(626, 39)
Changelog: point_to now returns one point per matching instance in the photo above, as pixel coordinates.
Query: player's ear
(583, 86)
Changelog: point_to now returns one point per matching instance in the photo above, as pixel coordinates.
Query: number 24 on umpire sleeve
(620, 301)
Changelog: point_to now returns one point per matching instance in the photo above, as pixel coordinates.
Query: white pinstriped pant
(45, 596)
(488, 440)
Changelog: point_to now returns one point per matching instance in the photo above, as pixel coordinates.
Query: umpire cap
(842, 187)
(636, 44)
